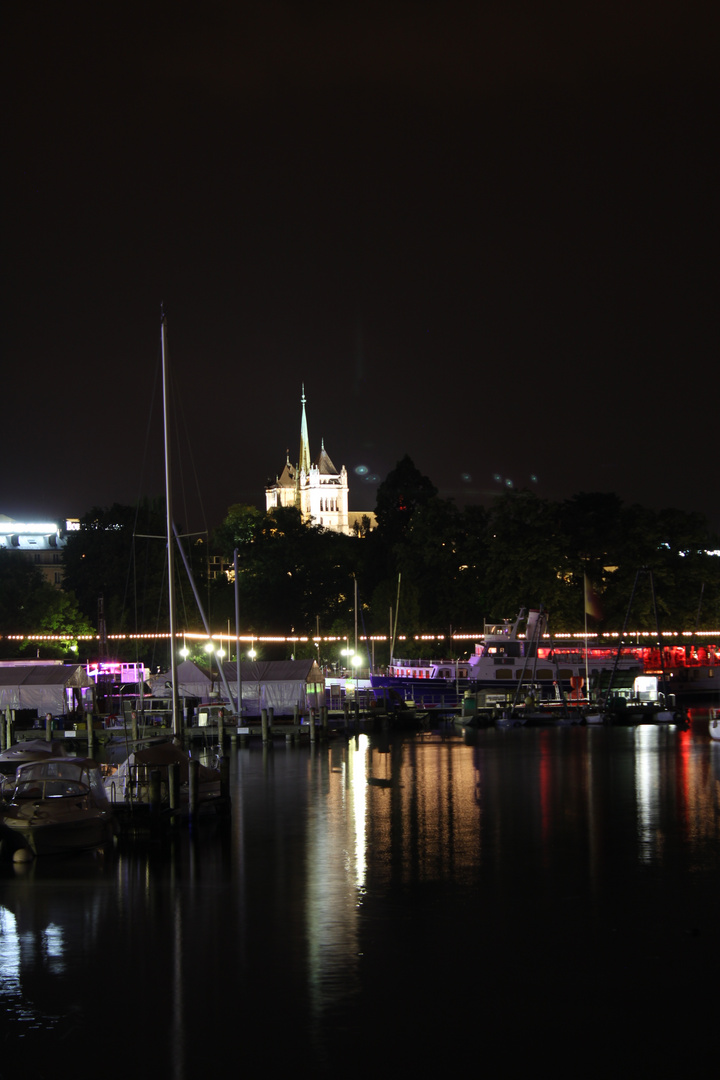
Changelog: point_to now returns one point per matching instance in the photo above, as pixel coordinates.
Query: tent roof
(44, 675)
(263, 671)
(274, 671)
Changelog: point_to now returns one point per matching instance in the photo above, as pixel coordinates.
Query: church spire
(304, 440)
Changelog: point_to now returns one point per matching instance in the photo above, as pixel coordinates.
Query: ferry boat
(692, 673)
(514, 653)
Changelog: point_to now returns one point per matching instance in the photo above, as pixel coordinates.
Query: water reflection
(360, 882)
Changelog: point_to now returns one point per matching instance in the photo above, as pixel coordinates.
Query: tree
(239, 529)
(104, 559)
(403, 491)
(120, 553)
(29, 605)
(525, 560)
(19, 581)
(290, 575)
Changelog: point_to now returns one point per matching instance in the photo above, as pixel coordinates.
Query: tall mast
(169, 527)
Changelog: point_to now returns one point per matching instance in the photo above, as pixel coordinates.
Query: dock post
(357, 714)
(174, 784)
(89, 720)
(264, 724)
(155, 791)
(48, 728)
(134, 725)
(311, 726)
(193, 786)
(346, 714)
(225, 776)
(324, 723)
(221, 731)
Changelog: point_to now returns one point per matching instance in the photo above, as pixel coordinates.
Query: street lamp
(210, 649)
(356, 661)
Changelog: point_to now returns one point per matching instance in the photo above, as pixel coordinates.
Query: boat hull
(714, 724)
(79, 833)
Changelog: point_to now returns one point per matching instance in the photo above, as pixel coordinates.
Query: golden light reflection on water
(339, 856)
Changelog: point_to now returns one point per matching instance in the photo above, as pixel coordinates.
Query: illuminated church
(316, 488)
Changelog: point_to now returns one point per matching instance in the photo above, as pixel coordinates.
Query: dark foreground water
(540, 901)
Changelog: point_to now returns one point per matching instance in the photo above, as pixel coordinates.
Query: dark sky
(481, 234)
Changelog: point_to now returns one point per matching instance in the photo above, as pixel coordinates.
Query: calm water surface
(540, 896)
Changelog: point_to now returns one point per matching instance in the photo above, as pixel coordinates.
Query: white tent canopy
(41, 686)
(276, 684)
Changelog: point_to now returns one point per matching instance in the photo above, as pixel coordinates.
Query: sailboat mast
(169, 528)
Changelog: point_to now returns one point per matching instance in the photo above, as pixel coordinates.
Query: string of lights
(279, 639)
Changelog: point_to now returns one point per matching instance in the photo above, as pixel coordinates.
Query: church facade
(316, 488)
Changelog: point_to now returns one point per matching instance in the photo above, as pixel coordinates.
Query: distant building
(40, 543)
(316, 488)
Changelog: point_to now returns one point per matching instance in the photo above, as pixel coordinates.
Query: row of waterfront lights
(211, 648)
(300, 639)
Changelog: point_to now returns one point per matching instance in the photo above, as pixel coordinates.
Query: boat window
(28, 791)
(55, 789)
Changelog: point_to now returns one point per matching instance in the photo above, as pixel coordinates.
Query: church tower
(316, 487)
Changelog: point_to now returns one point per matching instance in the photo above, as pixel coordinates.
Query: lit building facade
(40, 543)
(316, 488)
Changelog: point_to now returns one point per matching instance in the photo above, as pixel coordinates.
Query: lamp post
(356, 661)
(209, 647)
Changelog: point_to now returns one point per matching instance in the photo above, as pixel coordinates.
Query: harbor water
(513, 899)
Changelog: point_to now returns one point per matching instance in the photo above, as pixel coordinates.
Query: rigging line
(181, 421)
(132, 567)
(365, 633)
(159, 613)
(179, 414)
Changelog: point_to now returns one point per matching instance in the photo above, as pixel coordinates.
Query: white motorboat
(21, 753)
(714, 723)
(58, 805)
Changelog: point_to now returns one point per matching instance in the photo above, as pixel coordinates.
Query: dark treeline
(461, 567)
(458, 568)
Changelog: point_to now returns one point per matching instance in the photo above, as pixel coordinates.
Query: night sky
(484, 235)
